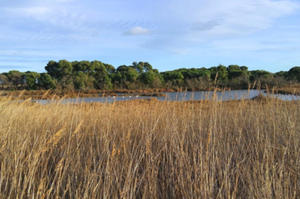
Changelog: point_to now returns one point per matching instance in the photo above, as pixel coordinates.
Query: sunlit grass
(150, 149)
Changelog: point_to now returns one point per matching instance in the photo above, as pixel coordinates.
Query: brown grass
(293, 90)
(150, 149)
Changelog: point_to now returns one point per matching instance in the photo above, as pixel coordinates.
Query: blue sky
(170, 34)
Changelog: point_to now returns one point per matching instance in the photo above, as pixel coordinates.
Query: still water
(185, 96)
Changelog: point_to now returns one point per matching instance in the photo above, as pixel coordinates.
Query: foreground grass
(136, 149)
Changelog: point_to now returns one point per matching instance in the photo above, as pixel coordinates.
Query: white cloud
(175, 26)
(198, 22)
(35, 11)
(137, 31)
(191, 19)
(231, 16)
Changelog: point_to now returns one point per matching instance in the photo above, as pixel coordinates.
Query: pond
(184, 96)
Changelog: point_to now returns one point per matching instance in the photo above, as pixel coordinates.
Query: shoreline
(160, 92)
(57, 94)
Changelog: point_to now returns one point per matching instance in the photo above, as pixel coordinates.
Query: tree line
(84, 75)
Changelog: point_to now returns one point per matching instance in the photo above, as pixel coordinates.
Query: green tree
(110, 68)
(244, 68)
(195, 73)
(59, 70)
(125, 77)
(82, 66)
(262, 78)
(31, 80)
(173, 78)
(282, 74)
(45, 81)
(151, 78)
(116, 78)
(16, 78)
(234, 71)
(294, 73)
(4, 82)
(53, 69)
(138, 66)
(142, 67)
(220, 75)
(260, 75)
(81, 80)
(62, 71)
(128, 74)
(102, 76)
(222, 72)
(238, 75)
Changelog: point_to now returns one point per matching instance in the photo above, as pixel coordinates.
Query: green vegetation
(85, 75)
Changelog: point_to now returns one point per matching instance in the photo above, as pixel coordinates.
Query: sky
(169, 34)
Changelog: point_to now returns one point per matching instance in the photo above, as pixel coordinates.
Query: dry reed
(150, 149)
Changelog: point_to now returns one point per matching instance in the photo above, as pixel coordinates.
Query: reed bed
(150, 149)
(292, 90)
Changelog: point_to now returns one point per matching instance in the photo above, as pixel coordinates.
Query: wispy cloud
(216, 18)
(207, 25)
(35, 11)
(137, 31)
(176, 27)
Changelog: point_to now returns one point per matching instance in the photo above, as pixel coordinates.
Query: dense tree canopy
(83, 75)
(294, 73)
(31, 80)
(46, 81)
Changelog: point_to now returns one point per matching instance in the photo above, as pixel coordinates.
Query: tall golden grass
(150, 149)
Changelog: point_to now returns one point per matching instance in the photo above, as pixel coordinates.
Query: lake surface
(184, 96)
